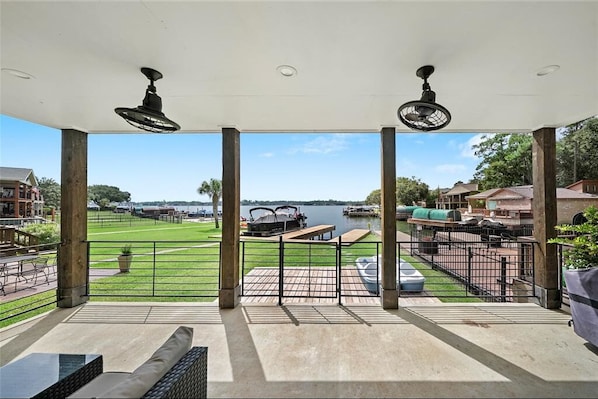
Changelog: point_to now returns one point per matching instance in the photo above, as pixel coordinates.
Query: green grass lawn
(185, 259)
(438, 284)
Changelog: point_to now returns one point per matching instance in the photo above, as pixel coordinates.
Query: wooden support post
(545, 215)
(230, 290)
(72, 252)
(390, 294)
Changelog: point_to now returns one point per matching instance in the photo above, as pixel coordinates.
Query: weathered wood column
(389, 295)
(72, 252)
(230, 290)
(545, 210)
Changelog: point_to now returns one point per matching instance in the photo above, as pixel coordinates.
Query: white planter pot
(582, 286)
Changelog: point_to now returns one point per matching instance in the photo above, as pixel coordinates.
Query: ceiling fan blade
(413, 117)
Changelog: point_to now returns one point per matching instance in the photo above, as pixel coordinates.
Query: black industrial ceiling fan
(424, 114)
(149, 116)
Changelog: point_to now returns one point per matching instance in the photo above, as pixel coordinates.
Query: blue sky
(306, 166)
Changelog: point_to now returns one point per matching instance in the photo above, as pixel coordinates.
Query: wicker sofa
(188, 378)
(175, 370)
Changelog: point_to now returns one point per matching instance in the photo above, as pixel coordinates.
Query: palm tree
(212, 188)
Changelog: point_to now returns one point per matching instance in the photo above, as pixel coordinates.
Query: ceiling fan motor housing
(152, 102)
(424, 114)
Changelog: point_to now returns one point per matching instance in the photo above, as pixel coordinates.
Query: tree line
(101, 194)
(506, 161)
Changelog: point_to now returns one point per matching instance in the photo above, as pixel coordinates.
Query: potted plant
(125, 258)
(580, 270)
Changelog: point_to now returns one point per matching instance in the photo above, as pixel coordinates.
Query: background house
(92, 206)
(585, 186)
(21, 196)
(513, 205)
(456, 197)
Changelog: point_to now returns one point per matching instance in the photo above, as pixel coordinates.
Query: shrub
(584, 245)
(48, 233)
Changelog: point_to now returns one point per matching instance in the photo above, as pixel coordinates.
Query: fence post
(378, 268)
(469, 257)
(280, 269)
(503, 279)
(338, 269)
(88, 266)
(154, 272)
(242, 244)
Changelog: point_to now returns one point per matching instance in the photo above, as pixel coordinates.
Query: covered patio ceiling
(355, 63)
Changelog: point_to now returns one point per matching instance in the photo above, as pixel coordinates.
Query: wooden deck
(315, 285)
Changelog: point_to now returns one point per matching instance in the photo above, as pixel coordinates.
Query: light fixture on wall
(424, 114)
(149, 116)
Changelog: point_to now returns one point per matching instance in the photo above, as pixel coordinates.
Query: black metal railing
(167, 269)
(289, 269)
(107, 219)
(454, 270)
(18, 309)
(190, 270)
(27, 281)
(29, 268)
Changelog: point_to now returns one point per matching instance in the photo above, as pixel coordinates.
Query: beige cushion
(99, 385)
(146, 375)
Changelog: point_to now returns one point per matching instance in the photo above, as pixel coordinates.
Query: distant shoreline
(248, 203)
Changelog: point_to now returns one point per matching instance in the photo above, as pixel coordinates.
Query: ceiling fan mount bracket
(425, 71)
(151, 74)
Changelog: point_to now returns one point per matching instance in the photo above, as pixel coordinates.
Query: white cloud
(466, 148)
(405, 167)
(453, 144)
(326, 144)
(267, 154)
(450, 168)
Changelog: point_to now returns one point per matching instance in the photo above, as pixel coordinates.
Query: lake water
(316, 215)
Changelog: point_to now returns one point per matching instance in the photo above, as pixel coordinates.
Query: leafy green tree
(432, 197)
(411, 190)
(213, 188)
(374, 198)
(577, 153)
(103, 203)
(506, 160)
(98, 192)
(50, 189)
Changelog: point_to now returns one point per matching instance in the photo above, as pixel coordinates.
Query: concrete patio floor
(302, 350)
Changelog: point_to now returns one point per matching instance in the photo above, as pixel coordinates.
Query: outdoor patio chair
(51, 265)
(33, 269)
(40, 265)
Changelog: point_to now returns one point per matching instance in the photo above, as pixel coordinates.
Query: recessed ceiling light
(17, 73)
(287, 70)
(548, 69)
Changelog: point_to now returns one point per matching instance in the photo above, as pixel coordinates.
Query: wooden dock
(351, 236)
(309, 233)
(306, 234)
